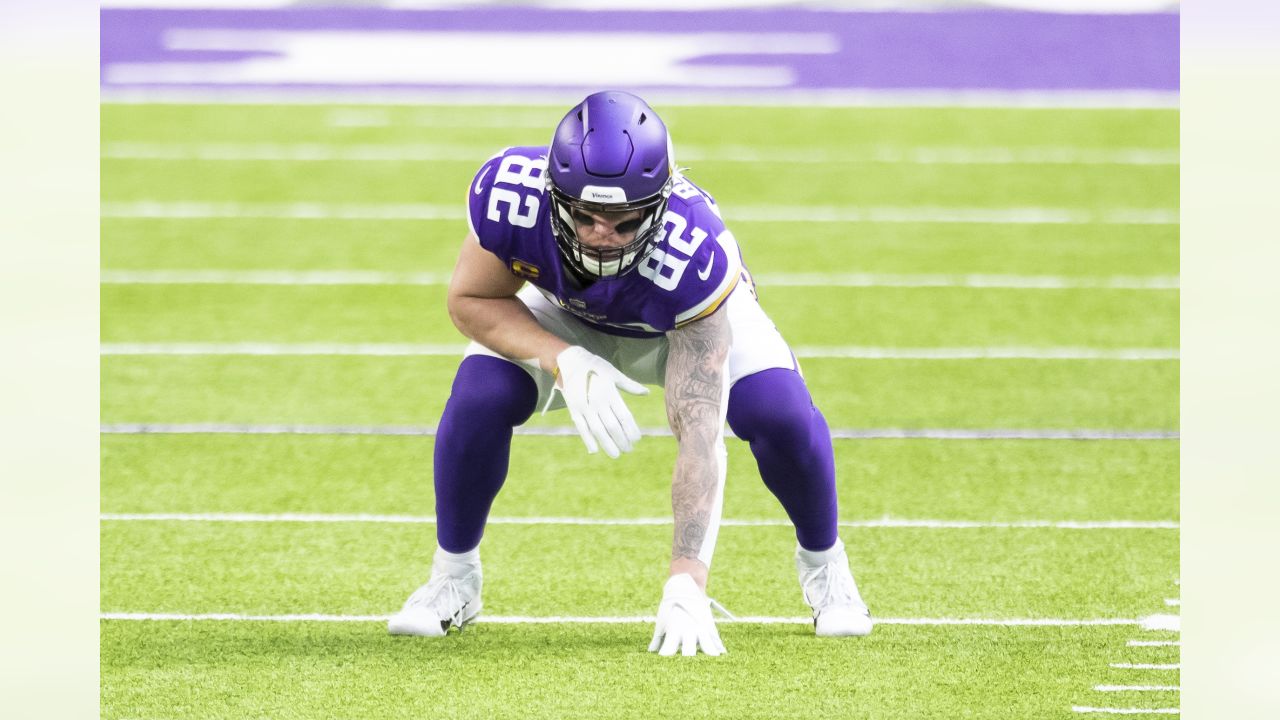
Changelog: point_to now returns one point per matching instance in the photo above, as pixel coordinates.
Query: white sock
(457, 564)
(813, 558)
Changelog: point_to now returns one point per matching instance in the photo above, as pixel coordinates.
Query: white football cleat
(451, 598)
(828, 586)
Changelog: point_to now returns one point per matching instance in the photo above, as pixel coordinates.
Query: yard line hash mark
(850, 280)
(1154, 643)
(569, 431)
(428, 519)
(1147, 666)
(1162, 622)
(746, 213)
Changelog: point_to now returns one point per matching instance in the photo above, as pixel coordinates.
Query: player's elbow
(461, 311)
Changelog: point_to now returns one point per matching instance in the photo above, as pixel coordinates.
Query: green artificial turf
(160, 670)
(530, 570)
(768, 247)
(199, 670)
(892, 317)
(851, 393)
(983, 480)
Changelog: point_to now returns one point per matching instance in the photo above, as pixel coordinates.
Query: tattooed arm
(697, 387)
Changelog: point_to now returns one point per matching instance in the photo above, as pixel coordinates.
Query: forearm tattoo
(694, 389)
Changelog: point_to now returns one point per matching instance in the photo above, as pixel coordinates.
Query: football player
(594, 268)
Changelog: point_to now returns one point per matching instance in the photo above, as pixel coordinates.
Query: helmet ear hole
(643, 117)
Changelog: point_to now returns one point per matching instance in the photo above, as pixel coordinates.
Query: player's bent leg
(773, 411)
(473, 445)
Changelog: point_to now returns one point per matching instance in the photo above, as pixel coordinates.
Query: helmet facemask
(603, 263)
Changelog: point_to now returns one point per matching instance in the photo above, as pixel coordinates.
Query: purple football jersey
(695, 266)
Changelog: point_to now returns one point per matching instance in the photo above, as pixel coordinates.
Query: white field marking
(1154, 643)
(285, 349)
(428, 519)
(293, 211)
(378, 117)
(855, 280)
(987, 353)
(1147, 666)
(1015, 282)
(838, 434)
(358, 117)
(749, 213)
(447, 350)
(523, 619)
(421, 152)
(1126, 711)
(509, 97)
(1172, 602)
(1162, 622)
(1137, 688)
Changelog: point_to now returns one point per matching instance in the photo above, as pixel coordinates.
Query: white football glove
(684, 620)
(590, 388)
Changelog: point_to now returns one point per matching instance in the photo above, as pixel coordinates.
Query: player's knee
(492, 391)
(772, 406)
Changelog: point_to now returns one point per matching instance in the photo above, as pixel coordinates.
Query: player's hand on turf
(590, 388)
(684, 620)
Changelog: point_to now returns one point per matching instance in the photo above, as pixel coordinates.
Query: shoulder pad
(696, 263)
(507, 194)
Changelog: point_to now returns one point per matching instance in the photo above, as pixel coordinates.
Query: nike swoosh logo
(705, 272)
(476, 188)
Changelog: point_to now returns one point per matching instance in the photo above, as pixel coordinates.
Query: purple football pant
(771, 410)
(473, 445)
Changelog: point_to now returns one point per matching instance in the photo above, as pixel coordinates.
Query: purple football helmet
(609, 154)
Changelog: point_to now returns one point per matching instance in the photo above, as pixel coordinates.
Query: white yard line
(838, 352)
(286, 349)
(855, 280)
(379, 117)
(1125, 711)
(421, 152)
(987, 353)
(428, 519)
(568, 431)
(559, 619)
(1172, 602)
(1147, 666)
(748, 213)
(973, 280)
(1137, 688)
(1154, 643)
